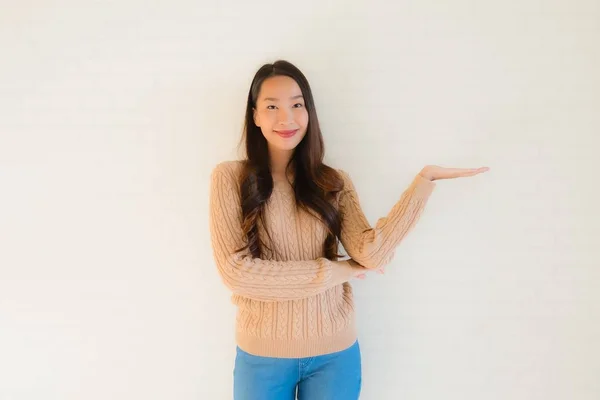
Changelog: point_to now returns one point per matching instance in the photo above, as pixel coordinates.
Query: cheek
(302, 118)
(266, 120)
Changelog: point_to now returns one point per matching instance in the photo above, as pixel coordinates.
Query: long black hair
(315, 184)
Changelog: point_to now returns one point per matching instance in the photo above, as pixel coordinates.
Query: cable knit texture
(293, 302)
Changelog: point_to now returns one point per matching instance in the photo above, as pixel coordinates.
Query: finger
(475, 171)
(462, 172)
(478, 170)
(459, 171)
(468, 173)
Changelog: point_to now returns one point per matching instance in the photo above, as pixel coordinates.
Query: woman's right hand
(361, 272)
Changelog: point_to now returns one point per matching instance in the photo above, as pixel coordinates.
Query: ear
(255, 117)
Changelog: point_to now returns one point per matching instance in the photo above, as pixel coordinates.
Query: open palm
(435, 172)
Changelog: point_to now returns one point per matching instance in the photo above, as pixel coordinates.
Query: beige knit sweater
(295, 302)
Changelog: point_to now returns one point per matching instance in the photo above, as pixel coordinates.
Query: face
(281, 113)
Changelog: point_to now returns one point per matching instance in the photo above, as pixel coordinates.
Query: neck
(279, 161)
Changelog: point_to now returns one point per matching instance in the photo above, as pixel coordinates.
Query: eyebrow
(275, 99)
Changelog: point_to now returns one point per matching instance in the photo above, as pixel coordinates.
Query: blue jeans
(335, 376)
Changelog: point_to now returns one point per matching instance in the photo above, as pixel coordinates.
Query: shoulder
(229, 169)
(346, 179)
(226, 174)
(342, 173)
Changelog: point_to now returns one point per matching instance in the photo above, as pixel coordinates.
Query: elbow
(230, 281)
(374, 251)
(230, 284)
(374, 260)
(245, 289)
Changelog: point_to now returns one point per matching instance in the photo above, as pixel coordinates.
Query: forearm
(282, 280)
(374, 247)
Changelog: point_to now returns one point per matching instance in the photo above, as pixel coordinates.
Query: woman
(277, 219)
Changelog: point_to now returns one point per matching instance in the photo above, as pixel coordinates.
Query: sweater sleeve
(374, 247)
(256, 278)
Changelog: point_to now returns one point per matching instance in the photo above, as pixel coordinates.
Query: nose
(285, 116)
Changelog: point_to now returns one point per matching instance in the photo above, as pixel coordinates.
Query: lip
(287, 133)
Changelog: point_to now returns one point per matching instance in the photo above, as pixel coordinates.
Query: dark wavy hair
(315, 184)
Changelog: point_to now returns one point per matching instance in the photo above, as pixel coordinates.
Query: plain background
(113, 114)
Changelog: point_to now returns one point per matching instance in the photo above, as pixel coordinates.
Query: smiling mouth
(287, 133)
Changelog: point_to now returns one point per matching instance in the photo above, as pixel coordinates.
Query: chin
(286, 147)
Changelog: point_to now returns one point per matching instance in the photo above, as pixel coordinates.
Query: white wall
(112, 115)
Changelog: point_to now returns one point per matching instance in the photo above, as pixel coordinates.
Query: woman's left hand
(435, 172)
